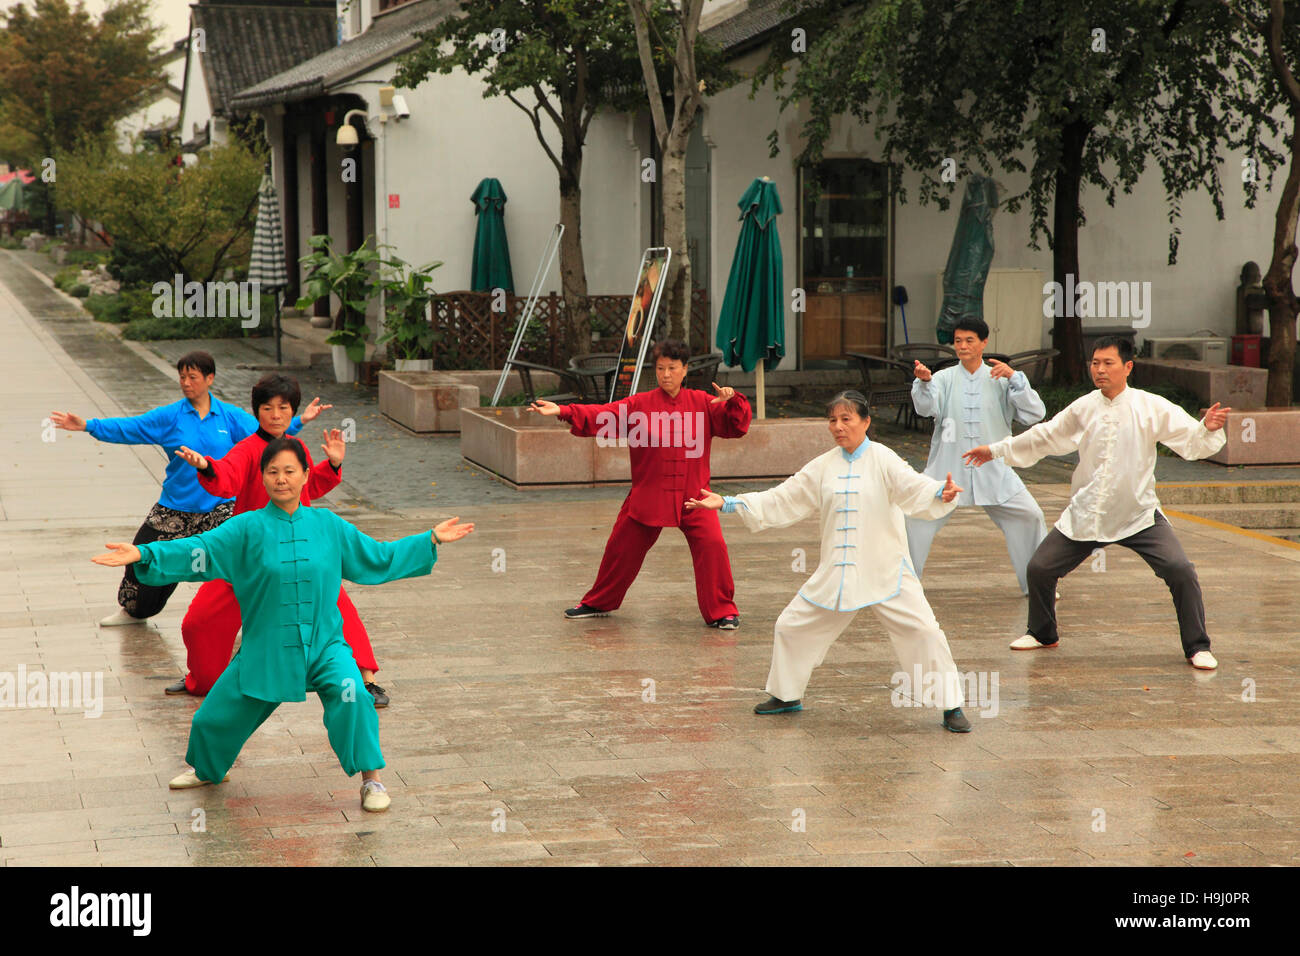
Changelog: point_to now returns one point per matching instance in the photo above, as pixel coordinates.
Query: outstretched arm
(151, 428)
(1188, 437)
(367, 561)
(796, 498)
(1059, 436)
(201, 557)
(917, 495)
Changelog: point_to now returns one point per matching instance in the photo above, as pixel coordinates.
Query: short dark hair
(277, 445)
(854, 399)
(1120, 343)
(671, 349)
(972, 323)
(200, 361)
(274, 385)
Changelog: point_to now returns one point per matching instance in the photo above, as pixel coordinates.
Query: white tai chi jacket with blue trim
(861, 499)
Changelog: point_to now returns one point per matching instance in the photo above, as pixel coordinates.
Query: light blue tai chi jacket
(972, 409)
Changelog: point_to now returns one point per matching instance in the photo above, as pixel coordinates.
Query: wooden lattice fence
(476, 337)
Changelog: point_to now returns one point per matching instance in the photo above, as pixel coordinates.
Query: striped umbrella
(267, 262)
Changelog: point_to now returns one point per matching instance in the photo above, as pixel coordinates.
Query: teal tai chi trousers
(227, 718)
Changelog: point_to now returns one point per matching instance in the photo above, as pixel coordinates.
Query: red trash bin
(1245, 350)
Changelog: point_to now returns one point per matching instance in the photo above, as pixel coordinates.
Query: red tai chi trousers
(631, 540)
(213, 619)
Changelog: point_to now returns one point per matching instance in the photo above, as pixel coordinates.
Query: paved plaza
(517, 737)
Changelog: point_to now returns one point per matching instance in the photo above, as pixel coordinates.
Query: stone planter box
(430, 402)
(529, 450)
(1236, 386)
(1261, 436)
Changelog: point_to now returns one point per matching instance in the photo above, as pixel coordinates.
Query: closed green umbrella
(491, 269)
(13, 195)
(751, 323)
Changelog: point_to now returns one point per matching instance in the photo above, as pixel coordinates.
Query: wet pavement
(516, 736)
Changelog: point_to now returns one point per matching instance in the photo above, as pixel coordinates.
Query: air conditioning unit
(1212, 351)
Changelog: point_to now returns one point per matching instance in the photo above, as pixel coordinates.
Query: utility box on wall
(1013, 309)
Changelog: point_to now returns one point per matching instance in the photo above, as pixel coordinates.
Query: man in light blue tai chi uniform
(973, 404)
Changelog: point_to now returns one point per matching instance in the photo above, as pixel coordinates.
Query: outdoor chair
(580, 389)
(932, 355)
(1033, 363)
(702, 370)
(880, 391)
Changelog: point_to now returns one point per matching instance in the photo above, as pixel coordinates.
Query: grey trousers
(1058, 555)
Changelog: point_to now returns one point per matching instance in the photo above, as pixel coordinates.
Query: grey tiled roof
(389, 36)
(247, 42)
(749, 27)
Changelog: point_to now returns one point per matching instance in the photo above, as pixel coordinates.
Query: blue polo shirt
(177, 424)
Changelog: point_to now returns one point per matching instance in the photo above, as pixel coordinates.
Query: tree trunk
(673, 183)
(1277, 281)
(573, 267)
(1067, 330)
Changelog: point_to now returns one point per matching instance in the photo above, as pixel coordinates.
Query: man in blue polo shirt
(198, 421)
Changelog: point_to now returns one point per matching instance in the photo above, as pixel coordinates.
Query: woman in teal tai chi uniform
(286, 562)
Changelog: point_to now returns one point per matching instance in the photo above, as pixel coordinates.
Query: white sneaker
(374, 798)
(1203, 661)
(189, 779)
(1028, 643)
(120, 617)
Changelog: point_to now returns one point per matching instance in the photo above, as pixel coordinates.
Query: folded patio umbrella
(267, 261)
(751, 323)
(491, 268)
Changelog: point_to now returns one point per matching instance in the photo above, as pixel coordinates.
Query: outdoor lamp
(347, 134)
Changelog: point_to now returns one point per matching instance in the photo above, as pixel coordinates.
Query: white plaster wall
(453, 139)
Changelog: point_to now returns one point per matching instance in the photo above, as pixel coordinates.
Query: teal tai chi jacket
(286, 570)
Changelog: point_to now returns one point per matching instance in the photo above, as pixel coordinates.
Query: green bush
(66, 278)
(8, 243)
(121, 308)
(86, 257)
(51, 246)
(80, 290)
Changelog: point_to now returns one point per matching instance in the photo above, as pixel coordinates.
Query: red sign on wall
(394, 201)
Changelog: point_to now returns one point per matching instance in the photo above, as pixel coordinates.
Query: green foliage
(64, 75)
(135, 266)
(196, 327)
(7, 242)
(350, 277)
(79, 291)
(942, 81)
(85, 257)
(197, 221)
(407, 292)
(66, 277)
(121, 308)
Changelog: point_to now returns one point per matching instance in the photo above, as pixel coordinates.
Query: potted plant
(347, 275)
(407, 292)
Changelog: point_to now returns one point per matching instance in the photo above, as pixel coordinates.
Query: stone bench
(1261, 436)
(529, 450)
(429, 402)
(1237, 386)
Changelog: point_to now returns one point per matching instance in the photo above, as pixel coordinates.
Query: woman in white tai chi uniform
(860, 492)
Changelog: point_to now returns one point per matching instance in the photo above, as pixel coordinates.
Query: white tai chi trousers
(805, 632)
(1019, 519)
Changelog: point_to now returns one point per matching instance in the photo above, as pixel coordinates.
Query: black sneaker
(956, 721)
(726, 623)
(774, 706)
(583, 610)
(379, 694)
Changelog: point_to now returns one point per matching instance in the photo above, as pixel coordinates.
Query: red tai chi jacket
(239, 475)
(668, 441)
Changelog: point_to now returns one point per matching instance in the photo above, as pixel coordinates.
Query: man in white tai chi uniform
(1113, 492)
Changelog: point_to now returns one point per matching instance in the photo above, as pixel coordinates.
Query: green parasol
(491, 269)
(751, 323)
